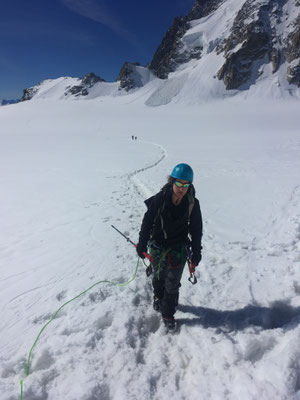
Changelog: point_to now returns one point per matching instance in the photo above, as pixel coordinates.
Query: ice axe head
(193, 279)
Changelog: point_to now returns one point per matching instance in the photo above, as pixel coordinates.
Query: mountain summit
(249, 35)
(220, 48)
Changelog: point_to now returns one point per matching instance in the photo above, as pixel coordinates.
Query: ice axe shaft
(192, 277)
(131, 242)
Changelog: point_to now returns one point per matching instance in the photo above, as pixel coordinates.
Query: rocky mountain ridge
(80, 89)
(235, 42)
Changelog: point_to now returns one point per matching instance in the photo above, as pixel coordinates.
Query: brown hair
(170, 180)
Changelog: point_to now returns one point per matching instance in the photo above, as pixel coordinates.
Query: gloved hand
(195, 260)
(140, 250)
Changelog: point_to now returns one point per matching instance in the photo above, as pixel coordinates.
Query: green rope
(21, 384)
(60, 308)
(162, 255)
(157, 265)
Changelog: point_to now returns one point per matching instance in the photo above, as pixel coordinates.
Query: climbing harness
(159, 254)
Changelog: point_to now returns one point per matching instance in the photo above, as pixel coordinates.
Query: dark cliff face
(260, 41)
(254, 41)
(126, 76)
(165, 58)
(292, 53)
(170, 52)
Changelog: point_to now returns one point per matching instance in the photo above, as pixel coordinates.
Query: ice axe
(192, 277)
(131, 242)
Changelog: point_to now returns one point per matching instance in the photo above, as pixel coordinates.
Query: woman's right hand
(140, 250)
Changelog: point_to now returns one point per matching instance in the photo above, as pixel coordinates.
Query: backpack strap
(191, 206)
(159, 215)
(162, 220)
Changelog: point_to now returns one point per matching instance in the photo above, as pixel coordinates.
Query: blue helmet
(183, 171)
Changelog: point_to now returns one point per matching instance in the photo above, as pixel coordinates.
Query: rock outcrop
(126, 76)
(29, 93)
(87, 82)
(133, 76)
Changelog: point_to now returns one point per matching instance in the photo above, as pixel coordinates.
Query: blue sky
(41, 39)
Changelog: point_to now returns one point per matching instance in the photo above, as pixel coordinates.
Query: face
(180, 192)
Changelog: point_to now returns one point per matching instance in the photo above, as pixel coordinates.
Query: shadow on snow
(278, 315)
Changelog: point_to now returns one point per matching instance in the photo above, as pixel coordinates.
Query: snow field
(68, 171)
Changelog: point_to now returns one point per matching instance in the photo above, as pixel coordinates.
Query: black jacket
(169, 225)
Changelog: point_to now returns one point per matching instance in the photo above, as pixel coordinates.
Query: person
(172, 229)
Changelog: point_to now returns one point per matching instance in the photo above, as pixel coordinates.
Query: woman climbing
(172, 229)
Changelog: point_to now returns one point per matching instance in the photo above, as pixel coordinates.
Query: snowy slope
(57, 89)
(68, 170)
(53, 88)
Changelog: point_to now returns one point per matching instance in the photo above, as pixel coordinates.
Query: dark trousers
(168, 267)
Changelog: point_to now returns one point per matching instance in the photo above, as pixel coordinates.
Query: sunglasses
(179, 184)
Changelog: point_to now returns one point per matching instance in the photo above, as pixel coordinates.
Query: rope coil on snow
(60, 308)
